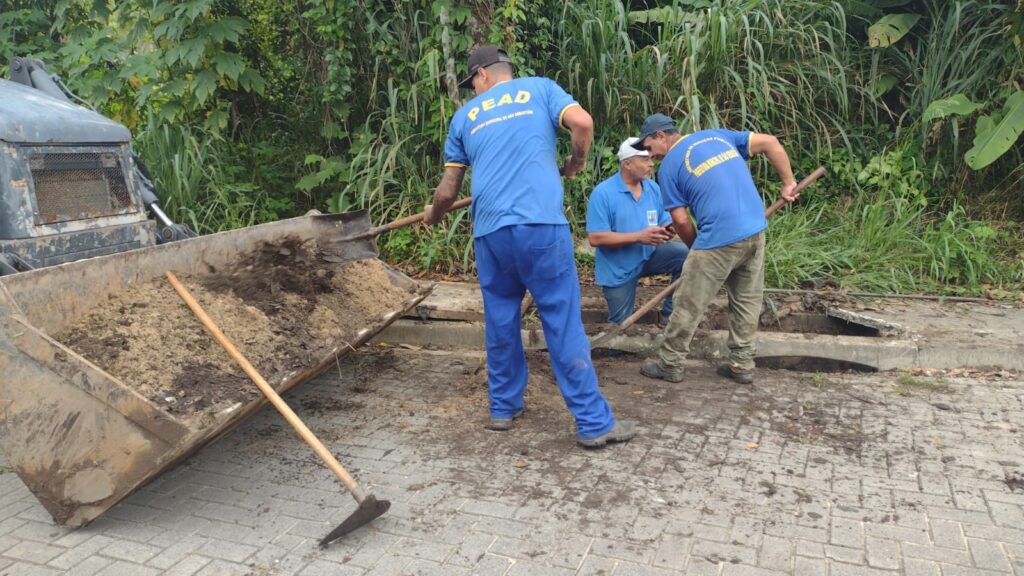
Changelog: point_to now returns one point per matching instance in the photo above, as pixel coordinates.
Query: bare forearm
(683, 225)
(582, 137)
(612, 239)
(579, 122)
(446, 193)
(776, 154)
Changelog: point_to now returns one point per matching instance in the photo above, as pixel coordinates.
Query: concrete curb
(872, 353)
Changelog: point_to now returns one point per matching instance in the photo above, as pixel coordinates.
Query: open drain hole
(812, 364)
(800, 322)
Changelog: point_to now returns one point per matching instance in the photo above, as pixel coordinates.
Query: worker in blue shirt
(508, 135)
(631, 231)
(706, 172)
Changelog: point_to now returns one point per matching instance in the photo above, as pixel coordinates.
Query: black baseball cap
(483, 57)
(652, 125)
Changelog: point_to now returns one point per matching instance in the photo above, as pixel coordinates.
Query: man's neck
(635, 185)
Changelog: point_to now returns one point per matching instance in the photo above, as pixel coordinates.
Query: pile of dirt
(281, 305)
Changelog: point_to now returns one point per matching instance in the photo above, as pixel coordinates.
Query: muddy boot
(502, 424)
(653, 369)
(741, 376)
(623, 431)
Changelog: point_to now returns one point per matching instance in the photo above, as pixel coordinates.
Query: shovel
(369, 506)
(402, 222)
(599, 340)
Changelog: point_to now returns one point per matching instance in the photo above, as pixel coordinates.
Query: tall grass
(793, 68)
(196, 182)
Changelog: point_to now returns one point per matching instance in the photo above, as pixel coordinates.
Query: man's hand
(571, 168)
(429, 215)
(789, 192)
(653, 236)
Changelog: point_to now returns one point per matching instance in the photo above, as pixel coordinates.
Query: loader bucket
(89, 414)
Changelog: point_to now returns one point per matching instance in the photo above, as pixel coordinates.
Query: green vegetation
(249, 110)
(907, 384)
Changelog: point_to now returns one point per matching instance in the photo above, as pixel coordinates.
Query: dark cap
(483, 57)
(655, 123)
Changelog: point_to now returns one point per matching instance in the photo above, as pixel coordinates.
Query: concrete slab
(915, 334)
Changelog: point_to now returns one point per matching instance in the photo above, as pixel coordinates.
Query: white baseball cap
(626, 149)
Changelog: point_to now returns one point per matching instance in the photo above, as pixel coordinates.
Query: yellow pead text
(522, 97)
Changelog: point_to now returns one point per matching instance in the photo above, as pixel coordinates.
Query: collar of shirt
(620, 185)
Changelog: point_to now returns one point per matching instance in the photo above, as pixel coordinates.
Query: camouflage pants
(740, 266)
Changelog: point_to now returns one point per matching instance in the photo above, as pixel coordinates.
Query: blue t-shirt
(612, 208)
(706, 171)
(508, 136)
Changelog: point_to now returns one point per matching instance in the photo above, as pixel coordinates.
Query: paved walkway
(819, 474)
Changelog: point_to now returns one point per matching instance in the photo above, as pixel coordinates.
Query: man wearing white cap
(629, 227)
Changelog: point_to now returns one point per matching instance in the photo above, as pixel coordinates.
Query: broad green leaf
(884, 83)
(205, 84)
(958, 105)
(992, 139)
(890, 29)
(228, 65)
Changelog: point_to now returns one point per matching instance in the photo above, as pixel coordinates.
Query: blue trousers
(538, 257)
(667, 258)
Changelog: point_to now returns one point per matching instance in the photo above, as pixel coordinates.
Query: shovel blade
(368, 509)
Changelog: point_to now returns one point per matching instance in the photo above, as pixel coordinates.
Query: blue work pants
(667, 258)
(538, 257)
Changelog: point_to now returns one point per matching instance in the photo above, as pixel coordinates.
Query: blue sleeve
(665, 217)
(454, 152)
(742, 142)
(671, 195)
(558, 102)
(598, 217)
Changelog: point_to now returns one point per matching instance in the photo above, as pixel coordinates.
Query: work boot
(653, 369)
(623, 431)
(663, 319)
(734, 372)
(502, 424)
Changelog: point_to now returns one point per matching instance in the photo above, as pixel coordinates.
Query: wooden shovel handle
(799, 188)
(300, 428)
(671, 287)
(419, 217)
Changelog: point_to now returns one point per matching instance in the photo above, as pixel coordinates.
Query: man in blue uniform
(706, 172)
(630, 229)
(521, 238)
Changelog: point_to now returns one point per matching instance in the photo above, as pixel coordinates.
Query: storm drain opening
(812, 364)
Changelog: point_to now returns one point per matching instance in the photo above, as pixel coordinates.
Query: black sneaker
(623, 431)
(741, 376)
(502, 424)
(652, 369)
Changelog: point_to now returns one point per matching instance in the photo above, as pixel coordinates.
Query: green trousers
(740, 266)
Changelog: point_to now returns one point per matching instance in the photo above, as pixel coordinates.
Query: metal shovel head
(368, 509)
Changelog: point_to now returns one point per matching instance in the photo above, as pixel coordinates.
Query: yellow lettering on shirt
(710, 163)
(521, 97)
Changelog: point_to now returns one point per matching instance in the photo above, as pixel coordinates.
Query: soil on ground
(281, 305)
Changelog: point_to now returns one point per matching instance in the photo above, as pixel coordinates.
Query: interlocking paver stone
(722, 480)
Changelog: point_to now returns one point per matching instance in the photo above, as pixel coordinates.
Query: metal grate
(76, 186)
